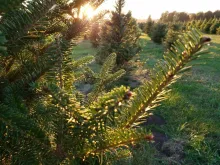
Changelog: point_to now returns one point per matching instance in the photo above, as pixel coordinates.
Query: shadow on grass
(192, 111)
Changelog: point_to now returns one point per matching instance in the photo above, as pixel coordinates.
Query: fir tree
(214, 27)
(206, 27)
(202, 26)
(94, 35)
(170, 38)
(148, 25)
(158, 32)
(218, 31)
(141, 26)
(119, 35)
(174, 29)
(198, 24)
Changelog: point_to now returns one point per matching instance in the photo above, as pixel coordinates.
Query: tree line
(166, 32)
(185, 17)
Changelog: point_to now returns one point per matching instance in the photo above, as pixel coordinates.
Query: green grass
(84, 49)
(192, 110)
(151, 52)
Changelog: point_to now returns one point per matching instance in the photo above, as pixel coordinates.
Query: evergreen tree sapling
(158, 32)
(119, 35)
(202, 26)
(148, 25)
(170, 38)
(141, 26)
(206, 28)
(214, 27)
(218, 31)
(94, 35)
(198, 24)
(174, 30)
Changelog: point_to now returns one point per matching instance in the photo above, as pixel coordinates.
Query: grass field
(192, 110)
(151, 52)
(84, 49)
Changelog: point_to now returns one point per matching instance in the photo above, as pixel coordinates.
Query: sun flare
(87, 11)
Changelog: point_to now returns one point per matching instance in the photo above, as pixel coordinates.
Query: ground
(192, 110)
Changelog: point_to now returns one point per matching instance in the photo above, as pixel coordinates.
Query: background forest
(76, 89)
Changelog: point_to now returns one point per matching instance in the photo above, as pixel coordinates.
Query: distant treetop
(185, 17)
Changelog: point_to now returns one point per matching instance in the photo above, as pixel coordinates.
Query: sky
(141, 9)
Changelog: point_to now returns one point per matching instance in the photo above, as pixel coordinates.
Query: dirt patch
(155, 120)
(159, 139)
(173, 147)
(169, 150)
(172, 152)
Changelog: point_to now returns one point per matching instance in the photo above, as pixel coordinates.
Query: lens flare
(87, 11)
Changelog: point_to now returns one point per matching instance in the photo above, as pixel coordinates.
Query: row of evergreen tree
(158, 31)
(185, 17)
(167, 33)
(211, 26)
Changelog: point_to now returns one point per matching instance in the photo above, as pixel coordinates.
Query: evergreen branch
(108, 103)
(119, 5)
(99, 16)
(16, 125)
(148, 95)
(116, 138)
(105, 77)
(48, 60)
(16, 25)
(96, 3)
(59, 53)
(82, 62)
(3, 49)
(9, 5)
(108, 65)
